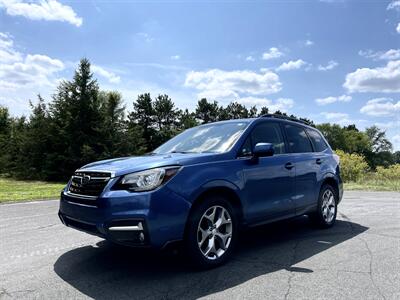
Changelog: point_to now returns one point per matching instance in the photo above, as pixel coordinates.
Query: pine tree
(207, 111)
(143, 116)
(187, 119)
(236, 111)
(37, 142)
(77, 123)
(166, 117)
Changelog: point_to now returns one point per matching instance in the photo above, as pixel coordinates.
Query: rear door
(269, 184)
(305, 161)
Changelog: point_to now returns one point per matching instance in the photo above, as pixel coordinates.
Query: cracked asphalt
(359, 258)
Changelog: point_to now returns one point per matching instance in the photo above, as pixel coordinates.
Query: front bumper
(147, 219)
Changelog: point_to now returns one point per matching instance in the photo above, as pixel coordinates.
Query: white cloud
(23, 76)
(331, 65)
(272, 53)
(291, 65)
(110, 76)
(382, 79)
(250, 58)
(18, 70)
(175, 57)
(282, 104)
(394, 5)
(388, 125)
(222, 84)
(147, 37)
(343, 119)
(308, 43)
(220, 95)
(381, 107)
(391, 54)
(398, 28)
(335, 115)
(331, 99)
(7, 52)
(396, 142)
(50, 10)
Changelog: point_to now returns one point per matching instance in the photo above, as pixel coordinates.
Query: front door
(269, 182)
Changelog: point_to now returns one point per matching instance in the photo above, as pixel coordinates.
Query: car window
(317, 140)
(267, 132)
(298, 139)
(213, 137)
(246, 149)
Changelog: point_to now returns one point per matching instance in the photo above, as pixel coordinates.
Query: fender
(218, 183)
(336, 178)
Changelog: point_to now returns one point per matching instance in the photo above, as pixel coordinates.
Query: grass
(12, 190)
(371, 183)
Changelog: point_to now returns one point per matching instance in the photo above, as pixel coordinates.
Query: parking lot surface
(359, 258)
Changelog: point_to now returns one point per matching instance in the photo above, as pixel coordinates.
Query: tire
(211, 232)
(325, 216)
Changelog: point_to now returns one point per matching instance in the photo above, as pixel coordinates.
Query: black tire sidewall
(192, 249)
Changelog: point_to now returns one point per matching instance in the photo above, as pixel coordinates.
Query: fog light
(141, 237)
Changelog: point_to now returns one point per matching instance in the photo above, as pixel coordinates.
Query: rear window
(317, 140)
(298, 139)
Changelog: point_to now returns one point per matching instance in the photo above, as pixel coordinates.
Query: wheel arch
(331, 180)
(220, 188)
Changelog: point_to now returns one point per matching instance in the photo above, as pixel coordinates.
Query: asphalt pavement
(359, 258)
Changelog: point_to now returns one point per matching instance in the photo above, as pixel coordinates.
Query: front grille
(89, 183)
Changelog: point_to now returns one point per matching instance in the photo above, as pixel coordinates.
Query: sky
(332, 61)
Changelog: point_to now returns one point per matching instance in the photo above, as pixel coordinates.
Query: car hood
(124, 165)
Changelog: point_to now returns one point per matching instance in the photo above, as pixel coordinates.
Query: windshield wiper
(183, 152)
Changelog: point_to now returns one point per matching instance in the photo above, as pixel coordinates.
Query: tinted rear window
(317, 140)
(298, 139)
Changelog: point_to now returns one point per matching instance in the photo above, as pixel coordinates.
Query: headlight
(146, 180)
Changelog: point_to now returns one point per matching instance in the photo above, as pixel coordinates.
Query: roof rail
(277, 116)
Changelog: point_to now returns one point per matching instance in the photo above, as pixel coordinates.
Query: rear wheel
(325, 216)
(211, 232)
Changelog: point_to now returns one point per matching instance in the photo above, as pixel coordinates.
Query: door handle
(318, 161)
(289, 166)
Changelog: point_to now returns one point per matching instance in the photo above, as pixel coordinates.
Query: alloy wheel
(214, 232)
(328, 206)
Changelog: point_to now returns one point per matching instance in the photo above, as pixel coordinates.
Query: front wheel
(325, 216)
(211, 232)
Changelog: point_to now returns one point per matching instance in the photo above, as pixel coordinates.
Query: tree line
(82, 123)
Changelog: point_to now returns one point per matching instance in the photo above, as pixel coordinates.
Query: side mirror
(263, 149)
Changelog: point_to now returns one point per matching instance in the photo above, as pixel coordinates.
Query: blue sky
(331, 61)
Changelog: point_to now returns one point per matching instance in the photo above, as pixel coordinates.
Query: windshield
(216, 137)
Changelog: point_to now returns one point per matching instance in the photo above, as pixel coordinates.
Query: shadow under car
(110, 271)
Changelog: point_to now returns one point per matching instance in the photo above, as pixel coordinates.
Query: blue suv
(206, 184)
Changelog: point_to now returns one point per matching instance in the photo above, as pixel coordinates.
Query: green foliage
(378, 139)
(352, 166)
(207, 112)
(82, 124)
(187, 119)
(389, 173)
(142, 117)
(348, 139)
(235, 110)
